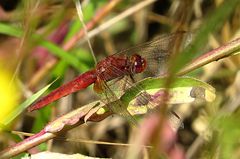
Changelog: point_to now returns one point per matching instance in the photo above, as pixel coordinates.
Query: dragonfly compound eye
(139, 63)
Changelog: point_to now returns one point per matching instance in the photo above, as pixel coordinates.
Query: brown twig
(26, 144)
(214, 55)
(44, 136)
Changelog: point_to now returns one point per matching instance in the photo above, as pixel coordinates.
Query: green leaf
(66, 57)
(8, 30)
(182, 90)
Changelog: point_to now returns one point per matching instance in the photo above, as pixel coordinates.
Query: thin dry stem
(118, 18)
(26, 144)
(214, 55)
(80, 15)
(81, 140)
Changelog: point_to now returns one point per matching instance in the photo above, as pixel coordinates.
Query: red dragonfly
(147, 59)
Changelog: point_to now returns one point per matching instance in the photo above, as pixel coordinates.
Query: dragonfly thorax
(118, 66)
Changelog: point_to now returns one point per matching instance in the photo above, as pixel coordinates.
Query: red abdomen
(79, 83)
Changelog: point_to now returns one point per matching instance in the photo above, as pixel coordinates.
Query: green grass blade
(19, 109)
(159, 82)
(11, 31)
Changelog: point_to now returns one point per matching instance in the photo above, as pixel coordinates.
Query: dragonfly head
(138, 63)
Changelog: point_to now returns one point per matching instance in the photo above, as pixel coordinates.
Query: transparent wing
(112, 100)
(115, 88)
(157, 51)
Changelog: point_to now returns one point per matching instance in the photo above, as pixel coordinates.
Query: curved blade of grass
(19, 109)
(159, 82)
(183, 90)
(9, 30)
(53, 48)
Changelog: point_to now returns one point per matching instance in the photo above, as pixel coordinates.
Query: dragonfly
(145, 60)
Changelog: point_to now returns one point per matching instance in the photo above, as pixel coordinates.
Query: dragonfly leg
(98, 86)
